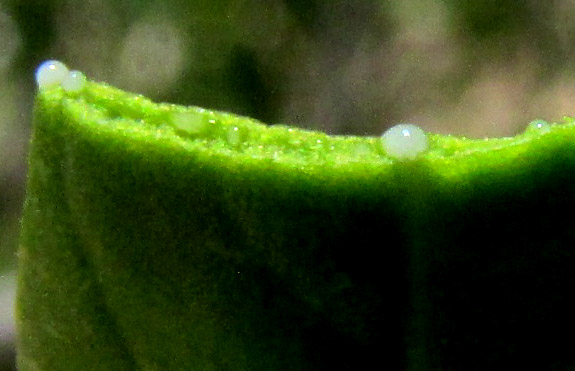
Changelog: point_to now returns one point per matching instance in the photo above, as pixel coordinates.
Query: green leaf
(160, 237)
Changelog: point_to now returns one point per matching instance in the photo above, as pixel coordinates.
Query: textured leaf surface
(159, 237)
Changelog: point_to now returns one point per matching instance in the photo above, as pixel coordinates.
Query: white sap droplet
(74, 81)
(540, 126)
(51, 73)
(404, 141)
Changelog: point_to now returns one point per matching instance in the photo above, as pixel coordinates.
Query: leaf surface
(161, 237)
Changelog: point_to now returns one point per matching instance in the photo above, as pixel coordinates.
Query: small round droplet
(404, 141)
(234, 136)
(360, 150)
(189, 122)
(74, 81)
(51, 73)
(540, 126)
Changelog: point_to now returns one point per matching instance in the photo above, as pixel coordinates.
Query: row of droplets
(55, 73)
(407, 141)
(402, 141)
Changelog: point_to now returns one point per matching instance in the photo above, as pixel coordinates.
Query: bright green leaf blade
(163, 237)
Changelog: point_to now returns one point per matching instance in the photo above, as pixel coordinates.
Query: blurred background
(471, 68)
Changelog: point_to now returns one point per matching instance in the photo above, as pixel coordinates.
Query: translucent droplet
(404, 141)
(540, 126)
(234, 136)
(51, 73)
(190, 123)
(74, 81)
(361, 150)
